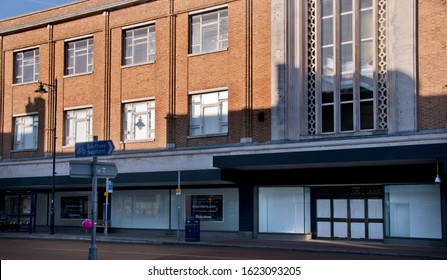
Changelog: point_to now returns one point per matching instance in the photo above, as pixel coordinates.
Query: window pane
(324, 229)
(327, 115)
(375, 230)
(140, 52)
(366, 115)
(211, 120)
(340, 229)
(328, 66)
(327, 96)
(141, 127)
(347, 94)
(81, 131)
(81, 62)
(357, 230)
(323, 208)
(327, 32)
(223, 29)
(327, 7)
(224, 113)
(375, 208)
(28, 72)
(196, 32)
(366, 60)
(209, 37)
(347, 61)
(209, 18)
(346, 6)
(347, 115)
(340, 208)
(366, 24)
(210, 98)
(346, 28)
(357, 208)
(365, 4)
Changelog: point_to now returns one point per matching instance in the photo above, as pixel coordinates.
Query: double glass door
(350, 218)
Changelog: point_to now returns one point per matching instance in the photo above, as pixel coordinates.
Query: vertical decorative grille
(311, 69)
(382, 97)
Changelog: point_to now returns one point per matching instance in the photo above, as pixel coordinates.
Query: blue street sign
(94, 149)
(109, 186)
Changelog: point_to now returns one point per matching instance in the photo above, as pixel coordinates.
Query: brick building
(285, 119)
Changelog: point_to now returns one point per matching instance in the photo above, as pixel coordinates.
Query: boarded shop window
(413, 211)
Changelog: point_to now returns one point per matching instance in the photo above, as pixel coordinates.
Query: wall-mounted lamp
(437, 179)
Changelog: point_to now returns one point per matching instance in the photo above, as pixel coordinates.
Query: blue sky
(9, 8)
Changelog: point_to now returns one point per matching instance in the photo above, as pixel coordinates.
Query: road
(44, 249)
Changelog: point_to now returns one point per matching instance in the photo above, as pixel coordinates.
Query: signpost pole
(106, 222)
(178, 192)
(92, 253)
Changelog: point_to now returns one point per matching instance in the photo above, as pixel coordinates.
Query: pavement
(398, 251)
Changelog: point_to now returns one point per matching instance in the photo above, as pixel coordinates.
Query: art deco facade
(286, 119)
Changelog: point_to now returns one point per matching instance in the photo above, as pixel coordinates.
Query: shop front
(383, 194)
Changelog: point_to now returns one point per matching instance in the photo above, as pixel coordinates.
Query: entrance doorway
(349, 213)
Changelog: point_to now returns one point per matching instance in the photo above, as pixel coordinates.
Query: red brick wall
(192, 72)
(432, 64)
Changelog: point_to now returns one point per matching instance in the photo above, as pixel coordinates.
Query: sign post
(109, 189)
(94, 170)
(92, 252)
(178, 193)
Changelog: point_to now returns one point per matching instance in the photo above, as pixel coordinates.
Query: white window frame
(74, 51)
(72, 120)
(130, 125)
(198, 27)
(21, 61)
(198, 116)
(22, 124)
(131, 41)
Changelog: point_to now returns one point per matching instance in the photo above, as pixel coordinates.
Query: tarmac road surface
(47, 249)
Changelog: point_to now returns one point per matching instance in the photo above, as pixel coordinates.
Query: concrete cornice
(71, 16)
(263, 148)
